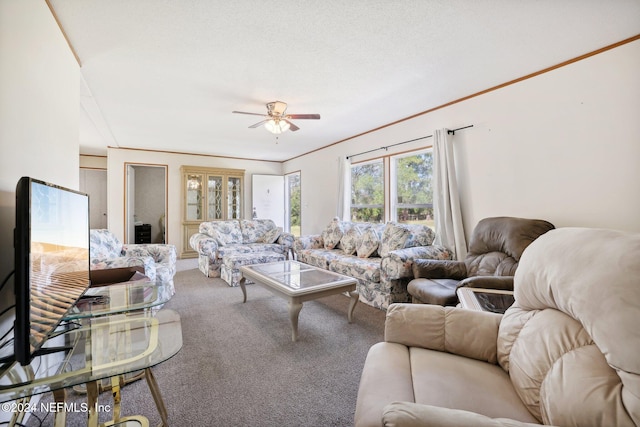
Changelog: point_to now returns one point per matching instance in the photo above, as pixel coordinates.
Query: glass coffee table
(297, 282)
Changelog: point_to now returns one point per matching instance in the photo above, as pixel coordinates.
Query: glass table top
(295, 275)
(100, 347)
(119, 298)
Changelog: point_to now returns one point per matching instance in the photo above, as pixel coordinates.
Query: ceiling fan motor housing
(276, 108)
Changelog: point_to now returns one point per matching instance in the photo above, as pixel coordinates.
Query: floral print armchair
(158, 260)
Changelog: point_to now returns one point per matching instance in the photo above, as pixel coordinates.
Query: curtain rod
(451, 131)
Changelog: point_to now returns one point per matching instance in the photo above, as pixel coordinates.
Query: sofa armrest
(286, 239)
(409, 414)
(203, 244)
(439, 269)
(398, 264)
(160, 252)
(504, 283)
(309, 241)
(468, 333)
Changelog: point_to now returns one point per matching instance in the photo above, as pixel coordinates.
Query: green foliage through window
(294, 202)
(411, 185)
(414, 193)
(367, 192)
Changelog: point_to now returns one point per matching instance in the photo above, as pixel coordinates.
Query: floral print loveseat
(217, 239)
(158, 260)
(379, 256)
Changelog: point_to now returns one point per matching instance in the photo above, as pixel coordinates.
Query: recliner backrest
(497, 244)
(571, 342)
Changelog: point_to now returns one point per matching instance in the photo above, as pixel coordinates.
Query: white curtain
(344, 188)
(446, 201)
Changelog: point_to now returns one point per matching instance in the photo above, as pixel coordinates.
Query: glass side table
(118, 334)
(119, 298)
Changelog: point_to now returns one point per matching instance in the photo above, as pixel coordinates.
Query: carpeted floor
(239, 367)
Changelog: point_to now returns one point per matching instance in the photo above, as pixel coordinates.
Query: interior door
(94, 183)
(267, 194)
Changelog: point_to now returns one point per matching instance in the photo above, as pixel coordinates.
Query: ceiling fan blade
(303, 116)
(258, 124)
(251, 114)
(292, 127)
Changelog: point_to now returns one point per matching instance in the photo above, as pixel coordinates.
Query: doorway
(145, 203)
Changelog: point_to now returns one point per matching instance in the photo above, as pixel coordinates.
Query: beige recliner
(567, 353)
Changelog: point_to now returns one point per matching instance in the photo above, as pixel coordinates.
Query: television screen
(51, 260)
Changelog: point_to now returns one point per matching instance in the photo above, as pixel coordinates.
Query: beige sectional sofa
(379, 256)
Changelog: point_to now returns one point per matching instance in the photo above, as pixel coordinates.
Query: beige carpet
(239, 367)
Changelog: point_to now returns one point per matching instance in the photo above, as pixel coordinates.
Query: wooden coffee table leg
(294, 311)
(244, 290)
(355, 296)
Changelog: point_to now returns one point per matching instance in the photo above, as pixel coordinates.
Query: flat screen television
(51, 261)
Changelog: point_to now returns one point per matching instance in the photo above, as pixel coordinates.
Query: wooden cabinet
(209, 194)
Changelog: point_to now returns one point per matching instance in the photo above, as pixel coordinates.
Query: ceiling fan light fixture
(276, 126)
(276, 120)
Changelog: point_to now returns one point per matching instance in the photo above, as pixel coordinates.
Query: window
(367, 192)
(412, 194)
(292, 203)
(410, 197)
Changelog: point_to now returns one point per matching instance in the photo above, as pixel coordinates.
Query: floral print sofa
(158, 260)
(219, 239)
(379, 256)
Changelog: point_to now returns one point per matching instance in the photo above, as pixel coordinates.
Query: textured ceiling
(165, 75)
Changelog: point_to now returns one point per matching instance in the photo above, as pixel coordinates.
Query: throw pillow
(271, 236)
(333, 233)
(394, 237)
(368, 246)
(349, 242)
(419, 235)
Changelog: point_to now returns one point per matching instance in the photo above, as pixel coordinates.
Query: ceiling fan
(277, 121)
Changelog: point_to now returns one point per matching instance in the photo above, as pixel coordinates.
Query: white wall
(563, 146)
(116, 159)
(39, 98)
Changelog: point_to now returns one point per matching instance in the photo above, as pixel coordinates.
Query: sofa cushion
(394, 237)
(349, 241)
(248, 248)
(419, 235)
(466, 385)
(319, 257)
(408, 414)
(400, 236)
(254, 230)
(225, 232)
(368, 243)
(230, 268)
(333, 233)
(270, 236)
(360, 268)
